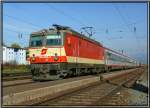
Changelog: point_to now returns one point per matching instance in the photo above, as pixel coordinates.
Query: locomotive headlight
(56, 57)
(33, 57)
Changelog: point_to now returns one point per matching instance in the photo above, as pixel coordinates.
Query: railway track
(23, 85)
(19, 79)
(95, 93)
(26, 80)
(16, 77)
(115, 98)
(16, 82)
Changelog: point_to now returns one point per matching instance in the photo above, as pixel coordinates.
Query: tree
(15, 45)
(3, 44)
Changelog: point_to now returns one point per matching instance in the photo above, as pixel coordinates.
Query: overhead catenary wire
(69, 16)
(20, 35)
(121, 16)
(23, 21)
(37, 25)
(125, 22)
(112, 29)
(66, 15)
(25, 33)
(109, 30)
(62, 12)
(124, 25)
(78, 21)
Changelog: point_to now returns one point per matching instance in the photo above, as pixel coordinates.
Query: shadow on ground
(140, 87)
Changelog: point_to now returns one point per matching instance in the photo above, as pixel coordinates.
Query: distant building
(14, 55)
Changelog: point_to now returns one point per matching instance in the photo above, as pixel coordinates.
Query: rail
(92, 94)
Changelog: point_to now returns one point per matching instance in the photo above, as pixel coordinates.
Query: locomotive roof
(85, 37)
(54, 31)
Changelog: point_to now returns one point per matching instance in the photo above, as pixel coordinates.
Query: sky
(119, 26)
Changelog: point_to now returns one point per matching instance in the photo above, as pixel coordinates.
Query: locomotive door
(77, 58)
(76, 54)
(76, 51)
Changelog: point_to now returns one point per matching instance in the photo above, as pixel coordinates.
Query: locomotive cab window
(52, 40)
(36, 41)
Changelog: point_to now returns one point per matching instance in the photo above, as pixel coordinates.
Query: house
(14, 55)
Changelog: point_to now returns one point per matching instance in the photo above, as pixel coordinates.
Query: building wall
(13, 55)
(4, 54)
(10, 54)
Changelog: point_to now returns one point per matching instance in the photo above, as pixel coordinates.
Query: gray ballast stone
(22, 97)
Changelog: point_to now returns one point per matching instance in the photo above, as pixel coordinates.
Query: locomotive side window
(53, 40)
(36, 41)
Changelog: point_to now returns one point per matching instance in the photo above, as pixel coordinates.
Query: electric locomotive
(60, 52)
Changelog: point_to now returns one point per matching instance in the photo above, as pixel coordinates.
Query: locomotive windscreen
(36, 41)
(53, 40)
(48, 40)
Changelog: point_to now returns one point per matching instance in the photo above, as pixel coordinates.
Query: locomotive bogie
(62, 70)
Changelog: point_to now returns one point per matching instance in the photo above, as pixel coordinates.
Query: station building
(14, 55)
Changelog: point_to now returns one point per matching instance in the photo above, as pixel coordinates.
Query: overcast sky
(120, 26)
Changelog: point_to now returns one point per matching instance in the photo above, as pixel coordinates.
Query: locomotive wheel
(74, 72)
(83, 71)
(63, 74)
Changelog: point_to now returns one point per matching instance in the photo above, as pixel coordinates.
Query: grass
(7, 68)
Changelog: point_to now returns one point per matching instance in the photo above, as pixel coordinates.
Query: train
(60, 52)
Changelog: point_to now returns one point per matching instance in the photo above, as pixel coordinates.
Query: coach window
(108, 55)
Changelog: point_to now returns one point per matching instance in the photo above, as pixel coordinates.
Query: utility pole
(122, 51)
(20, 35)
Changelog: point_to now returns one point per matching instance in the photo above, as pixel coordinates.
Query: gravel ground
(135, 96)
(139, 92)
(24, 87)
